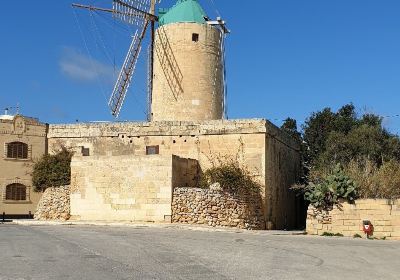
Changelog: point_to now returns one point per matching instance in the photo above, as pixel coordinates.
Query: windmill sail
(131, 11)
(125, 76)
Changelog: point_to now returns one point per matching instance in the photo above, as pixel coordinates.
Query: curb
(153, 225)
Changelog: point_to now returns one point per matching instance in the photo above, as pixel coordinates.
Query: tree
(52, 170)
(316, 131)
(290, 127)
(344, 138)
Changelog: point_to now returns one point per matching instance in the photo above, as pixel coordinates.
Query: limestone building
(127, 171)
(22, 139)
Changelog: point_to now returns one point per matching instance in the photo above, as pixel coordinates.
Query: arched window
(16, 192)
(17, 150)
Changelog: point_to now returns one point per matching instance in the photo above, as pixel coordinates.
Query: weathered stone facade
(217, 208)
(125, 188)
(271, 155)
(347, 218)
(54, 204)
(23, 140)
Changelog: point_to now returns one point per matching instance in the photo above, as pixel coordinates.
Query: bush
(52, 170)
(330, 189)
(376, 182)
(231, 176)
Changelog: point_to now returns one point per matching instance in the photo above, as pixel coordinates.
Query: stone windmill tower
(188, 77)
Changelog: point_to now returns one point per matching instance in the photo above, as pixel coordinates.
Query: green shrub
(52, 170)
(231, 176)
(357, 236)
(330, 189)
(330, 234)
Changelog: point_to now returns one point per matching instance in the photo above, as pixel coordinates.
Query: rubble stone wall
(217, 208)
(54, 204)
(347, 218)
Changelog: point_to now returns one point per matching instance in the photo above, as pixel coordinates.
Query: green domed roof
(183, 11)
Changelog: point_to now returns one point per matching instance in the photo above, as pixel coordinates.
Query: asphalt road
(95, 252)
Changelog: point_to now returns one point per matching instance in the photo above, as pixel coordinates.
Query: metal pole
(152, 11)
(4, 217)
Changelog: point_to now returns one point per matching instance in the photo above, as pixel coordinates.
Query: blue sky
(285, 58)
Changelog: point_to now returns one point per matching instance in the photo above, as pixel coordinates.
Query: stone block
(383, 228)
(372, 202)
(382, 223)
(395, 212)
(350, 223)
(382, 234)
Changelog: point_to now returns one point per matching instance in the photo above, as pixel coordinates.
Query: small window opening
(85, 152)
(152, 150)
(195, 37)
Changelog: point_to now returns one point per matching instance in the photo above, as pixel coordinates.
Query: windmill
(141, 15)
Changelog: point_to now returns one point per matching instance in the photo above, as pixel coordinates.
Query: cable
(101, 38)
(215, 8)
(89, 54)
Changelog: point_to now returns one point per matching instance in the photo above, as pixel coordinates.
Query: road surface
(101, 252)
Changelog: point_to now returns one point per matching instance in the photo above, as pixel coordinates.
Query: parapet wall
(217, 208)
(163, 128)
(347, 218)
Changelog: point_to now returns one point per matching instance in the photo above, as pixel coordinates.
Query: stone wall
(282, 168)
(123, 188)
(186, 172)
(54, 204)
(347, 218)
(216, 208)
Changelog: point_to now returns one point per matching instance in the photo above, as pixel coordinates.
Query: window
(85, 152)
(16, 192)
(152, 150)
(195, 37)
(17, 150)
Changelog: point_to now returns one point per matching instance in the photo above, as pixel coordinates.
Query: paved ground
(101, 252)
